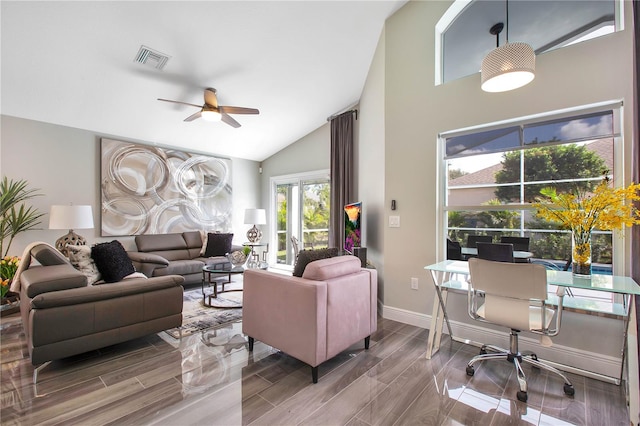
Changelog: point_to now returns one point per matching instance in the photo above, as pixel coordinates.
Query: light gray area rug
(197, 317)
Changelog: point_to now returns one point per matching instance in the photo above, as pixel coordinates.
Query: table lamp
(70, 217)
(255, 217)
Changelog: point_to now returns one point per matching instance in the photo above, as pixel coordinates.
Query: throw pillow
(307, 256)
(218, 244)
(80, 258)
(112, 261)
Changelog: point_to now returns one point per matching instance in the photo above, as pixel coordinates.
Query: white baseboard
(590, 361)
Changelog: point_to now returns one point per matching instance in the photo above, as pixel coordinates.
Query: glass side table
(254, 256)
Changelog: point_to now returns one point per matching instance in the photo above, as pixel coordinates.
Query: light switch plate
(394, 221)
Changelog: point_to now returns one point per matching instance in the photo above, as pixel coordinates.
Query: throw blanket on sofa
(25, 262)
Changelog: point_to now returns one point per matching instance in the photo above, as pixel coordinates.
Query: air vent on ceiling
(150, 57)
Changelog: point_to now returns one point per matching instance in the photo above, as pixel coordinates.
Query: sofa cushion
(160, 242)
(80, 258)
(218, 244)
(112, 261)
(180, 267)
(326, 269)
(307, 256)
(221, 261)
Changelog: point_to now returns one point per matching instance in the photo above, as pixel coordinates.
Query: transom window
(463, 38)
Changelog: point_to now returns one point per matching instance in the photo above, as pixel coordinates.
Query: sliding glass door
(301, 210)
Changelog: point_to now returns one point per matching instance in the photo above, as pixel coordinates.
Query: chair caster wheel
(522, 396)
(569, 390)
(535, 358)
(470, 371)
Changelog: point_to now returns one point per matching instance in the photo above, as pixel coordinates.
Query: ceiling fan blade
(178, 102)
(210, 97)
(230, 121)
(193, 116)
(238, 110)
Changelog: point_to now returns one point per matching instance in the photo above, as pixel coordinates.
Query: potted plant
(15, 217)
(605, 208)
(8, 299)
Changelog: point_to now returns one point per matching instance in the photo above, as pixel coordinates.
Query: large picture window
(493, 174)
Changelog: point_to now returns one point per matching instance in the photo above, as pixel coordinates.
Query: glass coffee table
(219, 268)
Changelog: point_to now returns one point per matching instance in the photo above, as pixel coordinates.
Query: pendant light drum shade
(508, 67)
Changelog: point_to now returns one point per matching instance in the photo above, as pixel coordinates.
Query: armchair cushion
(112, 261)
(307, 256)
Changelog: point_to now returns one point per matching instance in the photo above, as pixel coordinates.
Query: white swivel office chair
(513, 295)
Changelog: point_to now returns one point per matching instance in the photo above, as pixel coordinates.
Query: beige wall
(64, 163)
(370, 157)
(416, 111)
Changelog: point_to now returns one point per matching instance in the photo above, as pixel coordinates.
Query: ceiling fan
(211, 111)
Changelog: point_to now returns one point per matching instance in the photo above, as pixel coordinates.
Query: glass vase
(581, 253)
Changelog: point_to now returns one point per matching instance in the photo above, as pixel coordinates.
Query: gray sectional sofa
(63, 316)
(178, 253)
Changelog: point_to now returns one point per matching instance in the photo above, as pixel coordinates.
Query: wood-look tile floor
(210, 378)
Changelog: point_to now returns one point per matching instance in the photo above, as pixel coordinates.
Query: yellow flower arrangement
(606, 208)
(8, 268)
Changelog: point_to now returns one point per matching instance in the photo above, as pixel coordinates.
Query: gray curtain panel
(341, 175)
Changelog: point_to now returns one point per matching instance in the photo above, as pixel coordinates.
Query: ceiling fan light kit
(211, 115)
(509, 66)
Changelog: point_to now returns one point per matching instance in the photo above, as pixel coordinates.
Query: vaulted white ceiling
(72, 64)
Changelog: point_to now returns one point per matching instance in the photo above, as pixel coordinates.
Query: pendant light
(509, 66)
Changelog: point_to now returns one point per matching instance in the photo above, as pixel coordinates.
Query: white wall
(64, 163)
(309, 154)
(416, 111)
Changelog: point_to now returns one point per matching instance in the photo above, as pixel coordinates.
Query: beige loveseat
(315, 317)
(159, 255)
(62, 316)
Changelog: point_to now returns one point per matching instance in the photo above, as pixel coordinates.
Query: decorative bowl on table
(237, 258)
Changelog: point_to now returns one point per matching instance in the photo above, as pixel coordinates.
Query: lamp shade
(255, 216)
(508, 67)
(70, 217)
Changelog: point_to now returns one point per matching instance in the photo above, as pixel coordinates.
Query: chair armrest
(289, 313)
(141, 257)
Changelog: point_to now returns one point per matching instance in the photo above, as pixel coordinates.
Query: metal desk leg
(432, 328)
(632, 362)
(438, 314)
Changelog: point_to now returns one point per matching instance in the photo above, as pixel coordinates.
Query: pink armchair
(315, 317)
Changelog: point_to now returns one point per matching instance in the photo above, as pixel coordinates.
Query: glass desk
(442, 274)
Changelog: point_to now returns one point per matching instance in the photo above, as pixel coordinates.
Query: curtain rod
(351, 111)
